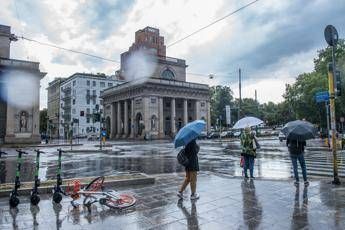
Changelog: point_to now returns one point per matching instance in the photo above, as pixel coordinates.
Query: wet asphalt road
(154, 158)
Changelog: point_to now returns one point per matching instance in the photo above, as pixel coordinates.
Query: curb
(145, 179)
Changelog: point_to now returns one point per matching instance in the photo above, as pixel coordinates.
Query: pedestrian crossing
(320, 164)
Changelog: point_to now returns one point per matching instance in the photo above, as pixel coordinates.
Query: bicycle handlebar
(21, 151)
(38, 151)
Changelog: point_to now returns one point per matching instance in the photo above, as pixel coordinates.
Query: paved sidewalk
(225, 203)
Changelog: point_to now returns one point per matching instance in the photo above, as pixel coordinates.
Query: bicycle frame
(97, 195)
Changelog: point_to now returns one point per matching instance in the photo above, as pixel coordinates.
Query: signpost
(323, 96)
(331, 37)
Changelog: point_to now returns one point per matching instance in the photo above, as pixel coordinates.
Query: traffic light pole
(333, 127)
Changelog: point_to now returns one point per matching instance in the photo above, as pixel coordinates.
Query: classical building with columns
(158, 105)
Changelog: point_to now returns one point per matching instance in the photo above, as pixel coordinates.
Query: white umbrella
(247, 122)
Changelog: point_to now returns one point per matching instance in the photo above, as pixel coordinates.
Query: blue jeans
(248, 164)
(300, 158)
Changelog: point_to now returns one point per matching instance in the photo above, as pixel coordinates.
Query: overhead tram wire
(70, 50)
(212, 23)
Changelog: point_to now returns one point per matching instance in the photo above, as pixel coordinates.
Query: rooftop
(14, 63)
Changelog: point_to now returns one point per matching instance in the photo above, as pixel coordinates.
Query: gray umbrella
(299, 130)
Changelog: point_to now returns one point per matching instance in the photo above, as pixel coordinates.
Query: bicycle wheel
(95, 185)
(123, 201)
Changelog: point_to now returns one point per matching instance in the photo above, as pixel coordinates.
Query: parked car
(226, 134)
(93, 137)
(237, 134)
(281, 136)
(203, 135)
(213, 135)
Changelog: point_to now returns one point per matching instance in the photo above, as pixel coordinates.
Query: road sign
(322, 96)
(331, 35)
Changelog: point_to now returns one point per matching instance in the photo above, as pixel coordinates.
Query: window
(167, 104)
(74, 83)
(102, 84)
(87, 120)
(73, 101)
(88, 83)
(153, 100)
(88, 101)
(93, 92)
(93, 83)
(168, 74)
(110, 84)
(202, 104)
(88, 111)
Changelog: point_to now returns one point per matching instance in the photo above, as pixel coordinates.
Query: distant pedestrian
(296, 150)
(191, 152)
(248, 144)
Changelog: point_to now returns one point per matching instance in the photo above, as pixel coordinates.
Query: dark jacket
(295, 147)
(191, 151)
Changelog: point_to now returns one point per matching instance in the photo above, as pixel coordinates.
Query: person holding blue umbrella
(187, 137)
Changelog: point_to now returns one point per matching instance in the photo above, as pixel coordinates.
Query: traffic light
(337, 83)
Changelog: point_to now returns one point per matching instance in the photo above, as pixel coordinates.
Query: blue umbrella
(189, 132)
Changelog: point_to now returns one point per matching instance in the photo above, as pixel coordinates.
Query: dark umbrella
(299, 130)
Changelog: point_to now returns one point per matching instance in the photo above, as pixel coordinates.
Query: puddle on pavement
(272, 161)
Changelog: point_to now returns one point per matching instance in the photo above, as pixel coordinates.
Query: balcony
(66, 90)
(89, 96)
(66, 107)
(66, 117)
(66, 97)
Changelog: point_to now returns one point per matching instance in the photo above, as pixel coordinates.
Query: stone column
(173, 116)
(197, 110)
(161, 117)
(10, 122)
(118, 119)
(112, 120)
(208, 125)
(132, 119)
(125, 117)
(185, 111)
(35, 116)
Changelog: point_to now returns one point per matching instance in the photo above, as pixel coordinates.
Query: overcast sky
(272, 41)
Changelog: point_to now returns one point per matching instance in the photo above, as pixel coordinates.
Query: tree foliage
(299, 97)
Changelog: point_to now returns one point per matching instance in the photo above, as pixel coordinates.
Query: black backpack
(182, 158)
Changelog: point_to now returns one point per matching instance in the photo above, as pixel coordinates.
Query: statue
(23, 121)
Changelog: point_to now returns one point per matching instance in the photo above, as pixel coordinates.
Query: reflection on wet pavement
(221, 157)
(225, 203)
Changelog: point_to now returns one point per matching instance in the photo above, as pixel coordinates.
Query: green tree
(43, 121)
(300, 96)
(220, 97)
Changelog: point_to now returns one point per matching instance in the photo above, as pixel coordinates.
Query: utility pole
(240, 94)
(256, 97)
(327, 113)
(331, 36)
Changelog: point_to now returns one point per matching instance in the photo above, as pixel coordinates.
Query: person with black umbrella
(296, 150)
(297, 132)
